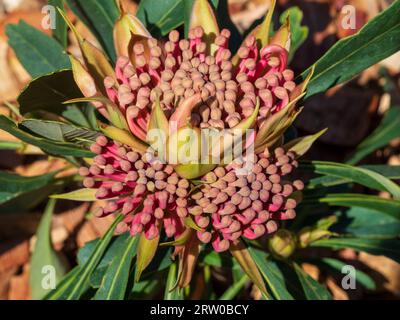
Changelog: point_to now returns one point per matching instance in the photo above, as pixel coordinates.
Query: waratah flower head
(199, 84)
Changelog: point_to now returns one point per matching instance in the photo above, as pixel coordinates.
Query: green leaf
(366, 223)
(301, 145)
(13, 185)
(312, 289)
(171, 290)
(299, 33)
(235, 288)
(390, 172)
(146, 252)
(387, 206)
(272, 275)
(84, 194)
(337, 266)
(377, 40)
(63, 285)
(59, 131)
(115, 281)
(188, 5)
(100, 16)
(365, 177)
(38, 53)
(74, 289)
(387, 130)
(60, 32)
(44, 257)
(160, 17)
(48, 92)
(48, 146)
(387, 247)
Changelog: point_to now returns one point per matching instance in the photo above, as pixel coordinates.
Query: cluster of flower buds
(233, 203)
(150, 194)
(179, 69)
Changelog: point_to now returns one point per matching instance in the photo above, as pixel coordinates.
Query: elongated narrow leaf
(387, 206)
(13, 186)
(387, 130)
(301, 145)
(386, 247)
(60, 32)
(84, 194)
(48, 146)
(38, 53)
(312, 289)
(366, 223)
(59, 131)
(79, 283)
(44, 259)
(390, 172)
(115, 281)
(160, 17)
(48, 92)
(337, 266)
(235, 288)
(171, 290)
(146, 252)
(243, 257)
(188, 7)
(365, 177)
(272, 275)
(100, 16)
(377, 40)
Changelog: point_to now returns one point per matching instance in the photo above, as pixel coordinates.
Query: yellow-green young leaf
(274, 126)
(124, 29)
(203, 16)
(301, 88)
(243, 257)
(84, 194)
(301, 145)
(124, 137)
(145, 254)
(193, 171)
(283, 36)
(114, 114)
(158, 120)
(45, 261)
(171, 291)
(82, 78)
(95, 60)
(188, 259)
(180, 241)
(188, 221)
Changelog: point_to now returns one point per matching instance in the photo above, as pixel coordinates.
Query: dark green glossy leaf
(115, 281)
(312, 289)
(387, 130)
(100, 16)
(77, 285)
(44, 257)
(60, 32)
(13, 186)
(390, 172)
(377, 40)
(59, 131)
(48, 92)
(48, 146)
(38, 53)
(337, 266)
(358, 175)
(387, 206)
(366, 223)
(387, 247)
(272, 274)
